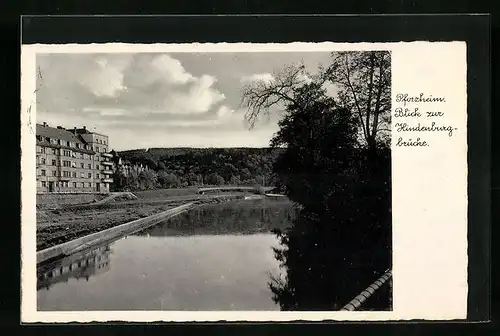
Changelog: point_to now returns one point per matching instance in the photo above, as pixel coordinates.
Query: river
(217, 257)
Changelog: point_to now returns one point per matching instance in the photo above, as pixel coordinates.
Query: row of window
(55, 173)
(65, 184)
(69, 164)
(68, 143)
(67, 152)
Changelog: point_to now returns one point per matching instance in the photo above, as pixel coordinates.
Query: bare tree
(260, 95)
(363, 80)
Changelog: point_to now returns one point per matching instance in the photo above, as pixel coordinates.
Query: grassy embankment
(69, 222)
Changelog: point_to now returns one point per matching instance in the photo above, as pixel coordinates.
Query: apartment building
(72, 160)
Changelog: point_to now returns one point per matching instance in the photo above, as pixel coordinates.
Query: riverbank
(57, 226)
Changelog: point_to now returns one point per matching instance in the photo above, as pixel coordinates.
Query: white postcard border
(429, 231)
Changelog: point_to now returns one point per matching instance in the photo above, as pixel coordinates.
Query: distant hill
(201, 166)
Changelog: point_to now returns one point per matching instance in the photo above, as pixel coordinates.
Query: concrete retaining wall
(113, 233)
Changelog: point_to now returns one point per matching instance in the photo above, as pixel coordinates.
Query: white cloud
(261, 77)
(104, 78)
(145, 70)
(224, 111)
(106, 111)
(198, 97)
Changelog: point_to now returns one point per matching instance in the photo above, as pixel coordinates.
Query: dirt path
(61, 225)
(56, 226)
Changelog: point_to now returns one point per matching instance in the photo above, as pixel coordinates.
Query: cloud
(197, 97)
(224, 111)
(260, 77)
(164, 99)
(126, 85)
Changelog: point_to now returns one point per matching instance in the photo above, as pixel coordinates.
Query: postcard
(244, 182)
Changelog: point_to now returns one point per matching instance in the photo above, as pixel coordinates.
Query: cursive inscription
(417, 115)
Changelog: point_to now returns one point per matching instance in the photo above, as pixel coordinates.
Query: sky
(146, 100)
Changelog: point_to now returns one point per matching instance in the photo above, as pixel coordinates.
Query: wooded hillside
(177, 167)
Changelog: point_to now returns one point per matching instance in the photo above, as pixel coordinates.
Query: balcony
(107, 180)
(107, 172)
(108, 155)
(107, 163)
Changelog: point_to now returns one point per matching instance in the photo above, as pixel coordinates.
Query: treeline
(183, 167)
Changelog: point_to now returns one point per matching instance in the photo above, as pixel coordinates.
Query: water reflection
(207, 259)
(79, 266)
(325, 266)
(237, 217)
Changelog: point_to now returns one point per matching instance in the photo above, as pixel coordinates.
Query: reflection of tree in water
(327, 262)
(244, 217)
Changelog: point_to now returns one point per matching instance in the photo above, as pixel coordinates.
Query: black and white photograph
(214, 181)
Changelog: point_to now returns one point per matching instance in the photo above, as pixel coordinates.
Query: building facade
(72, 160)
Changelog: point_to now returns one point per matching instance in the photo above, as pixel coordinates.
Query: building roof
(56, 133)
(84, 130)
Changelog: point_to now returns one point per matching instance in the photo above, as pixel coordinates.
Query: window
(67, 152)
(44, 184)
(66, 174)
(78, 145)
(67, 163)
(96, 175)
(67, 143)
(96, 149)
(66, 184)
(97, 167)
(42, 150)
(90, 184)
(54, 173)
(59, 142)
(54, 151)
(74, 184)
(82, 156)
(43, 172)
(42, 161)
(83, 184)
(73, 174)
(90, 175)
(82, 165)
(53, 162)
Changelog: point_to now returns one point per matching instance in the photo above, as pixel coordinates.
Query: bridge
(252, 189)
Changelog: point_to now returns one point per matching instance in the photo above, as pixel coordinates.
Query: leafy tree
(215, 179)
(335, 165)
(147, 179)
(363, 80)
